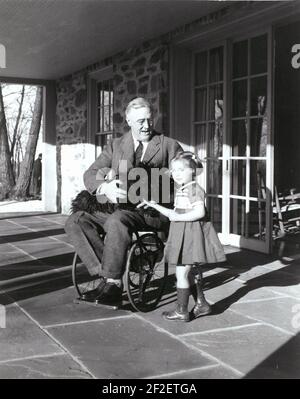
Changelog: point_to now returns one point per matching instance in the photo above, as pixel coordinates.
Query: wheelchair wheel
(146, 272)
(82, 280)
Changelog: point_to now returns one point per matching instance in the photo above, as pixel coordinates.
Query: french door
(232, 135)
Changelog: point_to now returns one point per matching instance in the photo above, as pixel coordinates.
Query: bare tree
(6, 172)
(23, 182)
(15, 132)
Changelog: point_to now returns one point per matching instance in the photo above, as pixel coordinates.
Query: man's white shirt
(136, 144)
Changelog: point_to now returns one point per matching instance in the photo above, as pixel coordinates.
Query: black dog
(84, 201)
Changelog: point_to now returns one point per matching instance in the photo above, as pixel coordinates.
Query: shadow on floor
(287, 246)
(15, 270)
(238, 263)
(37, 287)
(284, 277)
(283, 363)
(16, 215)
(31, 235)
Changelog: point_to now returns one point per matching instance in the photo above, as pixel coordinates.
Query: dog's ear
(84, 201)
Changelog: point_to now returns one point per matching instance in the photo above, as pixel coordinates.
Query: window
(104, 114)
(221, 86)
(208, 124)
(100, 108)
(249, 137)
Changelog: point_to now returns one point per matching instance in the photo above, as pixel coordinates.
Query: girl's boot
(181, 312)
(202, 307)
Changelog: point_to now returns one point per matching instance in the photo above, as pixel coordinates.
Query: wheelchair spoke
(145, 273)
(82, 280)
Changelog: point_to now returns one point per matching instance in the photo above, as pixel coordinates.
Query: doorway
(287, 115)
(232, 134)
(287, 138)
(46, 145)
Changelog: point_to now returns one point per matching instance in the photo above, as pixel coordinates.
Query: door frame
(50, 187)
(265, 245)
(244, 23)
(225, 236)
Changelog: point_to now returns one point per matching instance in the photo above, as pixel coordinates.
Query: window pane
(258, 137)
(99, 120)
(240, 59)
(239, 138)
(258, 95)
(257, 220)
(238, 181)
(214, 208)
(239, 98)
(200, 105)
(259, 47)
(216, 65)
(257, 178)
(101, 140)
(237, 216)
(215, 140)
(111, 109)
(214, 177)
(99, 93)
(201, 68)
(200, 137)
(105, 106)
(106, 127)
(215, 104)
(105, 97)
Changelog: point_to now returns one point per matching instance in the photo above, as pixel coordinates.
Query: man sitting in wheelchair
(104, 209)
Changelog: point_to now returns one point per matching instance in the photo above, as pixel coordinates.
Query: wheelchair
(145, 275)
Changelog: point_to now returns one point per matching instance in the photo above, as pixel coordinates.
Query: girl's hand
(173, 216)
(147, 204)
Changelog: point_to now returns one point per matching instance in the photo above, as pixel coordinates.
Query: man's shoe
(176, 315)
(111, 295)
(91, 296)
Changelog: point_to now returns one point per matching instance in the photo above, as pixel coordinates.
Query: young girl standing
(192, 238)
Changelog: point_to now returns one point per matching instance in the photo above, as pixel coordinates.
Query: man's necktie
(138, 154)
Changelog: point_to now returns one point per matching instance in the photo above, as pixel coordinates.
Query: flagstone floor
(252, 333)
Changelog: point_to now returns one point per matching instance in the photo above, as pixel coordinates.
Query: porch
(252, 333)
(78, 54)
(210, 76)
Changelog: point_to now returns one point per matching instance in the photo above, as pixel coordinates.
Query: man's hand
(112, 191)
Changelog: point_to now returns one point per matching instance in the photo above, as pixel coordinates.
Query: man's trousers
(108, 258)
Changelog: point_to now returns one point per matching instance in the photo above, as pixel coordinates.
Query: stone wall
(141, 71)
(71, 115)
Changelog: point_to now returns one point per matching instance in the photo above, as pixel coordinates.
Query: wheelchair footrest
(97, 305)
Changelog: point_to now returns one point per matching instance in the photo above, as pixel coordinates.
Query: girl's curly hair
(191, 159)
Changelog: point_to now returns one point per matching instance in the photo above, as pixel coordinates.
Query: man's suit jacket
(159, 153)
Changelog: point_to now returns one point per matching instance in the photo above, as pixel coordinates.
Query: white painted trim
(247, 243)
